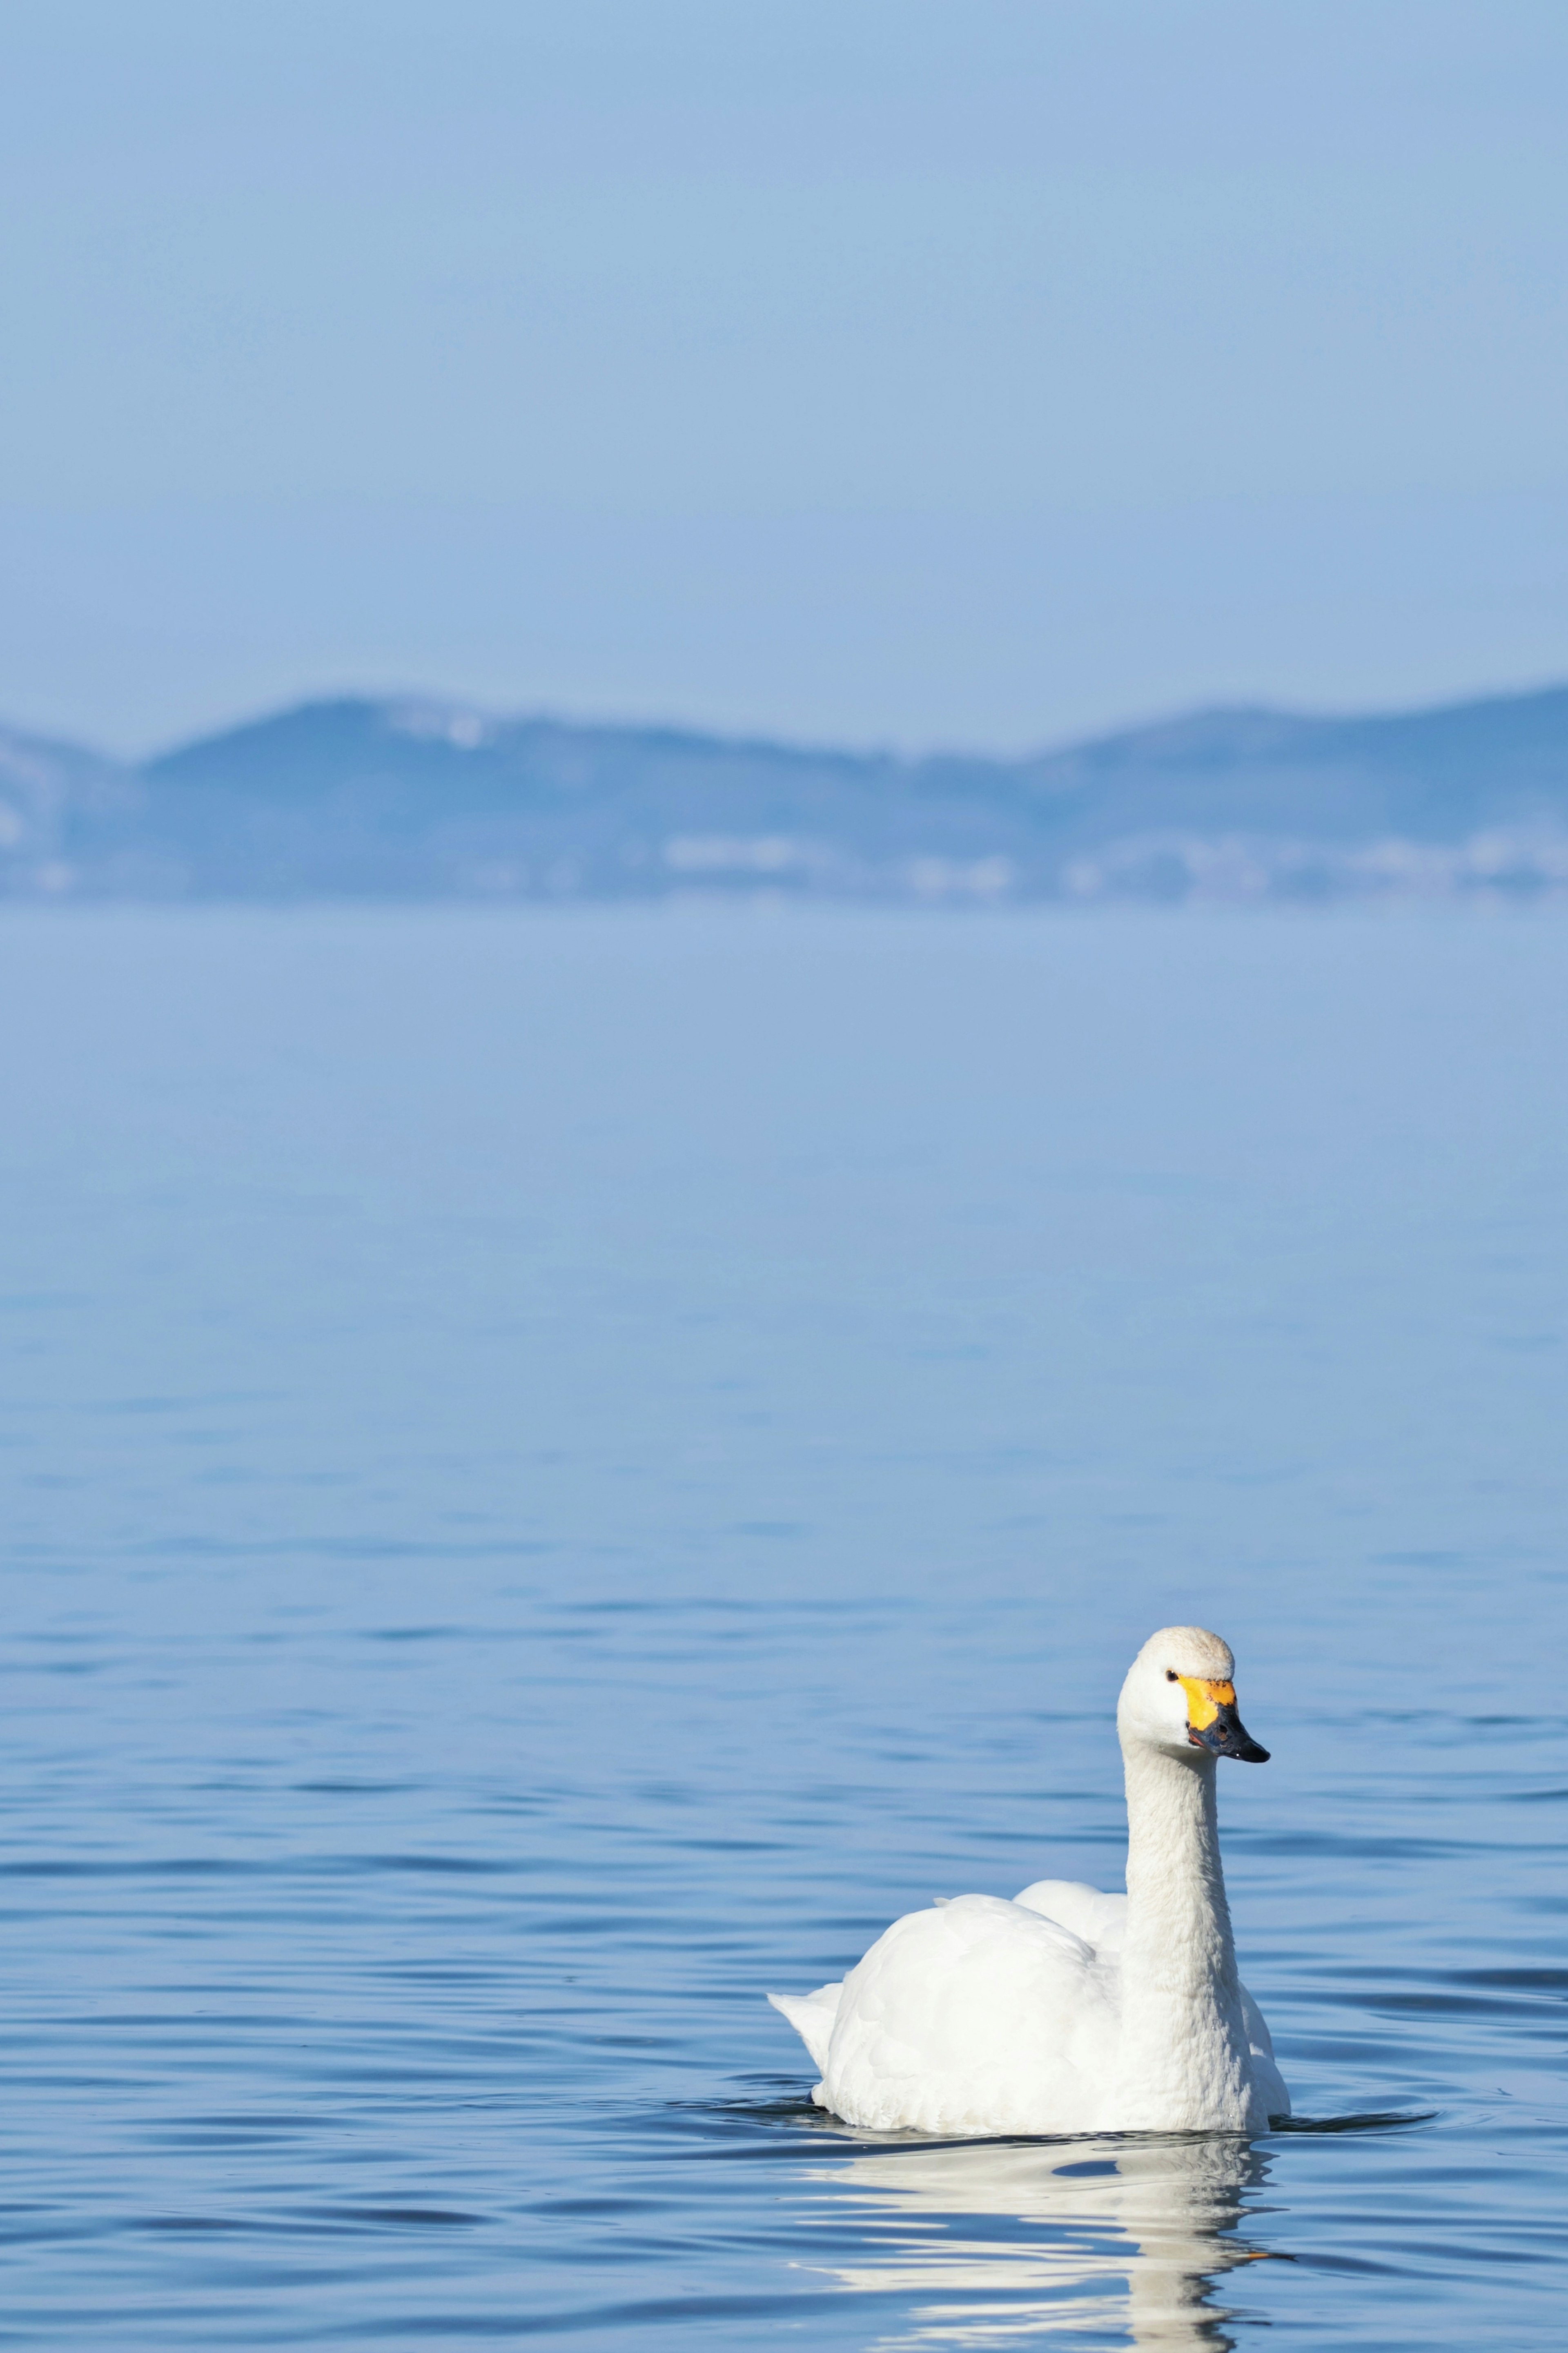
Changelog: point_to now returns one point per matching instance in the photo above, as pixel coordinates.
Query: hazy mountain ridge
(48, 790)
(410, 798)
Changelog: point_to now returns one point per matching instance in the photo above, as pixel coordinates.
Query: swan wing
(1100, 1920)
(979, 2016)
(1259, 2040)
(1265, 2067)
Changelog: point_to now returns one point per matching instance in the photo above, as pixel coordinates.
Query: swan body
(1067, 2011)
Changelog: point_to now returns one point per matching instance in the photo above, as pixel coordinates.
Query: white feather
(811, 2015)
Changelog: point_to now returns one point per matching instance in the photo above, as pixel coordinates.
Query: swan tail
(811, 2015)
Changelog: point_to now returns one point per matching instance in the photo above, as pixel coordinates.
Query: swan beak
(1214, 1724)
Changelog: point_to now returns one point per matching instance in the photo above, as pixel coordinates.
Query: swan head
(1179, 1696)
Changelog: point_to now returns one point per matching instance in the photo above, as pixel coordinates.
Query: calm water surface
(561, 1472)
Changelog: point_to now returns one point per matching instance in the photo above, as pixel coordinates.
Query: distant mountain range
(390, 798)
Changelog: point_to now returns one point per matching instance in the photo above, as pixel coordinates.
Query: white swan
(1066, 2011)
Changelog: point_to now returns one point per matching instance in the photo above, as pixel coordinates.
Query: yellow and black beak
(1214, 1724)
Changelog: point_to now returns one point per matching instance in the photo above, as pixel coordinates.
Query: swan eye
(1171, 1676)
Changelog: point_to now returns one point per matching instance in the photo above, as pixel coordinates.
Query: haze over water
(562, 1470)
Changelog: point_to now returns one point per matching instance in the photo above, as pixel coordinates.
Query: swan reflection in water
(1011, 2241)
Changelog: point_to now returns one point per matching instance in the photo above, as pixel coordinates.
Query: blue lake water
(560, 1471)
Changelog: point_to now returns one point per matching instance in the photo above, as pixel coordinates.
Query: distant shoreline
(408, 800)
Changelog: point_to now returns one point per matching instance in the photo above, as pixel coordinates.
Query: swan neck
(1183, 2059)
(1176, 1883)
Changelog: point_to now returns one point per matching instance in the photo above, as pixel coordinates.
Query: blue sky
(923, 371)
